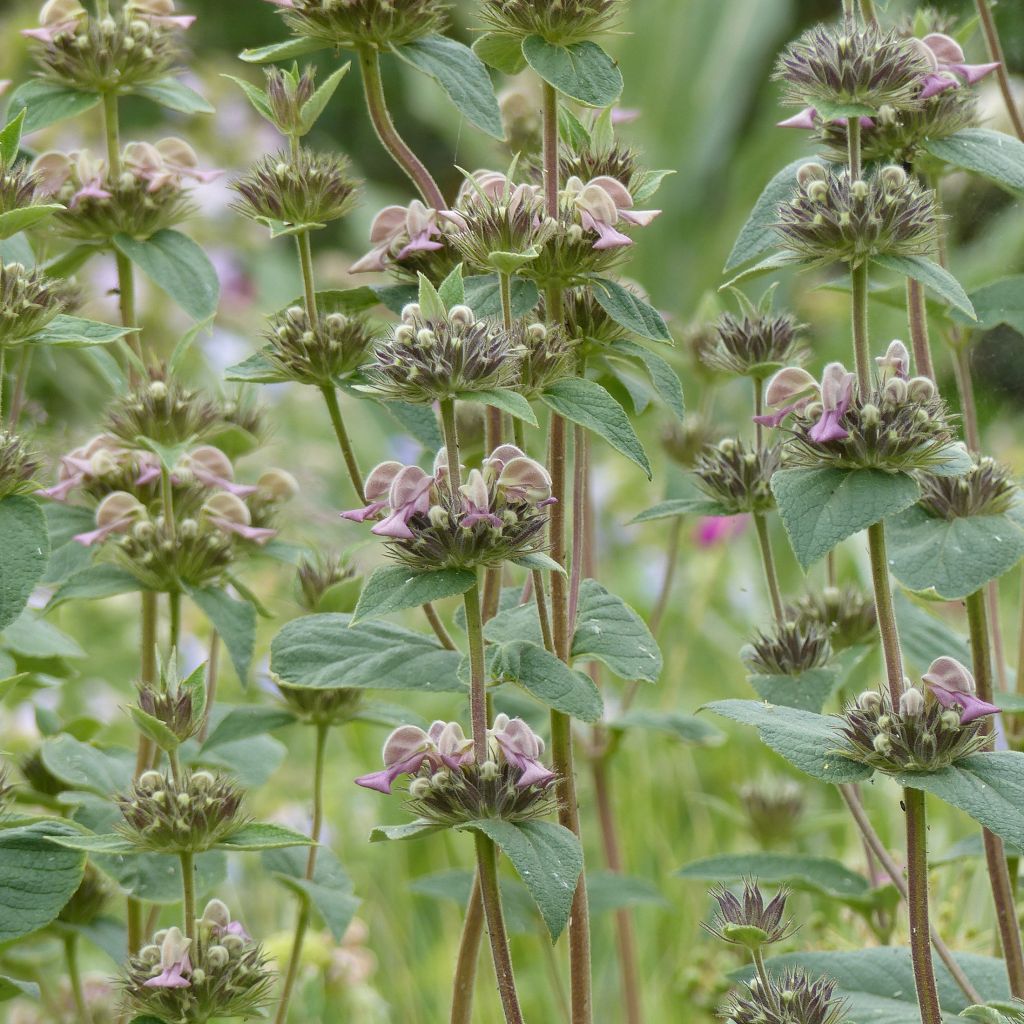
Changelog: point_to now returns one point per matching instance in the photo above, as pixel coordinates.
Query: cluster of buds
(88, 900)
(19, 185)
(755, 344)
(547, 354)
(846, 612)
(316, 577)
(188, 814)
(164, 410)
(791, 648)
(605, 159)
(17, 466)
(29, 300)
(932, 727)
(287, 92)
(304, 188)
(986, 489)
(791, 998)
(449, 784)
(587, 323)
(170, 703)
(774, 807)
(135, 46)
(320, 354)
(321, 706)
(219, 973)
(832, 217)
(147, 194)
(495, 516)
(900, 425)
(738, 477)
(750, 922)
(560, 22)
(428, 359)
(352, 24)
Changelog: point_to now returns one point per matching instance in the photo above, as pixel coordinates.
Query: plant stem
(174, 602)
(625, 931)
(305, 248)
(20, 380)
(437, 626)
(305, 909)
(75, 978)
(995, 854)
(917, 315)
(167, 494)
(675, 533)
(188, 890)
(965, 387)
(765, 978)
(469, 957)
(478, 678)
(3, 358)
(768, 561)
(917, 905)
(354, 474)
(867, 10)
(895, 873)
(886, 614)
(580, 449)
(505, 290)
(542, 610)
(853, 147)
(487, 871)
(212, 666)
(861, 344)
(995, 50)
(551, 152)
(451, 441)
(134, 916)
(376, 103)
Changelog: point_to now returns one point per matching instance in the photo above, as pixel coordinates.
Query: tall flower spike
(953, 686)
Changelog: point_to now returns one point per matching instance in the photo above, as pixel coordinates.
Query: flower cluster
(220, 973)
(930, 729)
(547, 355)
(901, 424)
(321, 706)
(29, 300)
(846, 612)
(755, 344)
(791, 648)
(495, 516)
(737, 476)
(831, 216)
(562, 22)
(408, 239)
(450, 784)
(149, 192)
(135, 46)
(188, 814)
(750, 922)
(163, 409)
(791, 997)
(320, 354)
(379, 24)
(986, 489)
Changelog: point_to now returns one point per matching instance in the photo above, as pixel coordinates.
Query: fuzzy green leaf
(483, 295)
(76, 332)
(609, 631)
(547, 677)
(502, 398)
(501, 51)
(154, 729)
(175, 95)
(698, 506)
(329, 892)
(452, 290)
(234, 620)
(314, 106)
(81, 766)
(393, 588)
(257, 369)
(935, 278)
(821, 507)
(994, 155)
(13, 988)
(27, 217)
(46, 103)
(23, 554)
(664, 378)
(582, 71)
(246, 720)
(629, 310)
(96, 581)
(809, 690)
(411, 830)
(260, 835)
(285, 50)
(10, 138)
(256, 96)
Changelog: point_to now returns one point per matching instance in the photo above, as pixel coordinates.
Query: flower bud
(920, 389)
(810, 172)
(278, 485)
(419, 788)
(892, 176)
(912, 703)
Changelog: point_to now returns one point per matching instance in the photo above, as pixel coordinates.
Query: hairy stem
(886, 614)
(83, 1015)
(451, 443)
(212, 672)
(305, 249)
(550, 146)
(580, 448)
(995, 51)
(20, 381)
(437, 626)
(469, 957)
(369, 65)
(768, 561)
(917, 905)
(477, 670)
(995, 854)
(354, 474)
(917, 316)
(965, 388)
(188, 891)
(861, 343)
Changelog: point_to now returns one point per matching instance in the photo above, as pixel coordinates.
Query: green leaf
(582, 71)
(461, 73)
(36, 877)
(17, 249)
(246, 720)
(953, 557)
(821, 507)
(502, 398)
(76, 332)
(175, 95)
(285, 50)
(154, 729)
(501, 51)
(686, 728)
(699, 506)
(96, 581)
(1001, 302)
(234, 620)
(314, 106)
(483, 295)
(452, 290)
(329, 892)
(609, 890)
(251, 761)
(105, 845)
(82, 766)
(547, 677)
(629, 310)
(32, 637)
(517, 622)
(521, 916)
(809, 690)
(10, 138)
(179, 267)
(588, 404)
(12, 988)
(14, 221)
(809, 874)
(808, 741)
(257, 369)
(417, 420)
(935, 278)
(994, 155)
(261, 835)
(394, 587)
(323, 652)
(609, 631)
(23, 554)
(664, 378)
(343, 300)
(168, 454)
(411, 830)
(547, 857)
(430, 301)
(46, 103)
(759, 236)
(256, 96)
(777, 261)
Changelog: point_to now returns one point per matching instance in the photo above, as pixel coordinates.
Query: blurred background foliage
(698, 71)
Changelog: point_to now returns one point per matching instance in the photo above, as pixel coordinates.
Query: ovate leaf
(664, 378)
(501, 51)
(24, 550)
(547, 677)
(175, 95)
(629, 310)
(46, 103)
(27, 217)
(394, 587)
(76, 332)
(609, 631)
(935, 278)
(759, 236)
(234, 620)
(329, 892)
(285, 50)
(994, 155)
(809, 690)
(582, 71)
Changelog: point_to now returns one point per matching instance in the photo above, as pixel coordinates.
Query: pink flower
(476, 500)
(950, 69)
(409, 494)
(398, 231)
(601, 204)
(174, 962)
(212, 468)
(57, 17)
(791, 388)
(952, 685)
(808, 118)
(714, 530)
(836, 394)
(895, 362)
(408, 747)
(161, 13)
(229, 513)
(521, 747)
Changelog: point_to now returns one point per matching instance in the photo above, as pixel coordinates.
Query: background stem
(469, 957)
(917, 316)
(75, 978)
(917, 906)
(995, 51)
(354, 474)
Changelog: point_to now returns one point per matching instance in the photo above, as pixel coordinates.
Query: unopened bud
(149, 781)
(462, 315)
(217, 957)
(419, 788)
(817, 191)
(920, 389)
(810, 172)
(912, 703)
(892, 176)
(870, 415)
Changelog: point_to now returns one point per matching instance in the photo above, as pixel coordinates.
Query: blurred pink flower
(714, 530)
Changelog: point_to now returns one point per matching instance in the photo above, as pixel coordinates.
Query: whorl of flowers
(901, 424)
(847, 613)
(19, 186)
(754, 344)
(615, 160)
(738, 477)
(307, 187)
(220, 973)
(411, 239)
(792, 647)
(831, 217)
(29, 300)
(353, 23)
(860, 67)
(321, 354)
(547, 355)
(786, 999)
(147, 195)
(986, 489)
(287, 93)
(495, 516)
(191, 814)
(135, 46)
(431, 358)
(164, 410)
(750, 921)
(774, 807)
(448, 784)
(932, 727)
(561, 22)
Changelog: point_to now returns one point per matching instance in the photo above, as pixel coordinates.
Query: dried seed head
(754, 344)
(380, 24)
(560, 22)
(331, 351)
(847, 613)
(17, 466)
(792, 998)
(29, 300)
(737, 476)
(788, 650)
(987, 489)
(749, 921)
